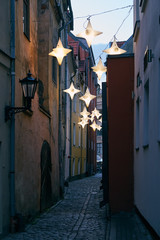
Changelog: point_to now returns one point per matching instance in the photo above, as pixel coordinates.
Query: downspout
(70, 175)
(60, 120)
(87, 143)
(12, 132)
(64, 27)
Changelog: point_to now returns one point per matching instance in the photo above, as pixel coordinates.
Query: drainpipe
(60, 108)
(12, 132)
(63, 27)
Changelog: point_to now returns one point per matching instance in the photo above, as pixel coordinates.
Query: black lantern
(29, 86)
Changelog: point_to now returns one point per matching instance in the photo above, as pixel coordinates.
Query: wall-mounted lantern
(29, 86)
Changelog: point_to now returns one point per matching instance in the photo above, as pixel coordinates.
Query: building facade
(91, 140)
(120, 85)
(99, 133)
(147, 111)
(5, 71)
(32, 143)
(83, 157)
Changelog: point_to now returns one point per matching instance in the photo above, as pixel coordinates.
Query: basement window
(26, 22)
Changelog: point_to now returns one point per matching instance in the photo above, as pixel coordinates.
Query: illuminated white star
(60, 52)
(89, 34)
(100, 120)
(94, 126)
(99, 69)
(71, 91)
(87, 97)
(85, 113)
(83, 122)
(99, 127)
(114, 49)
(96, 113)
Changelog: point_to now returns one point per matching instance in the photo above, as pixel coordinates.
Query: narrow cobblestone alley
(77, 217)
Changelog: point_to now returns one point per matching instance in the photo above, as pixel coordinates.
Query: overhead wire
(129, 12)
(108, 11)
(104, 12)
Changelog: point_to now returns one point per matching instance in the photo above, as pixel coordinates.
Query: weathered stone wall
(42, 125)
(5, 85)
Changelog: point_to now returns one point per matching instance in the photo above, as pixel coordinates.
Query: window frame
(74, 134)
(146, 115)
(26, 18)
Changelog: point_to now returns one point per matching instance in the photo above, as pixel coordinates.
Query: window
(92, 145)
(147, 57)
(79, 166)
(158, 99)
(26, 22)
(79, 137)
(74, 134)
(99, 133)
(99, 148)
(54, 70)
(139, 81)
(84, 138)
(136, 20)
(0, 190)
(73, 167)
(146, 115)
(137, 125)
(143, 5)
(74, 103)
(84, 167)
(80, 104)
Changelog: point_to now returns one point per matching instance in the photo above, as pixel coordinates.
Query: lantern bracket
(9, 111)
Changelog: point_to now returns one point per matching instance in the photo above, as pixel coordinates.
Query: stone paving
(127, 226)
(77, 217)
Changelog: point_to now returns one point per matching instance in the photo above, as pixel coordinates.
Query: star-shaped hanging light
(85, 113)
(114, 49)
(92, 117)
(96, 113)
(89, 34)
(60, 52)
(87, 97)
(99, 127)
(99, 69)
(86, 118)
(100, 120)
(71, 91)
(94, 126)
(83, 122)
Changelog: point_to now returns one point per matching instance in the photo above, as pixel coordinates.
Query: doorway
(0, 190)
(46, 169)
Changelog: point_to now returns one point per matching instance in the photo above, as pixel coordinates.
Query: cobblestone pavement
(77, 217)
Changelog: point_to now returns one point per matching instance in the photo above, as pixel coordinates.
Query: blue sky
(108, 23)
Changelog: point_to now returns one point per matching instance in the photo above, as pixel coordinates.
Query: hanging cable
(96, 14)
(129, 12)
